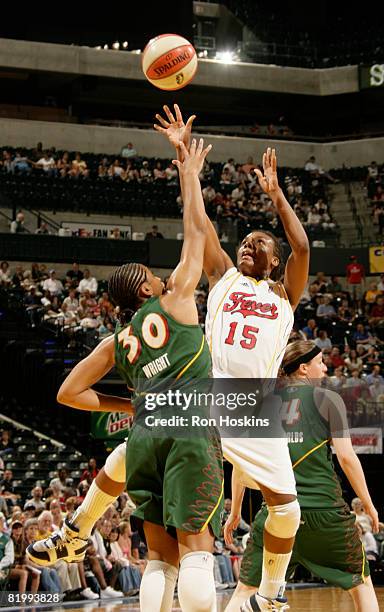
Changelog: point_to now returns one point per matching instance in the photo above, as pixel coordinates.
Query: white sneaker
(89, 594)
(257, 602)
(109, 592)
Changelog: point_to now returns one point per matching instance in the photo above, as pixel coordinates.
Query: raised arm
(216, 261)
(297, 267)
(179, 300)
(76, 390)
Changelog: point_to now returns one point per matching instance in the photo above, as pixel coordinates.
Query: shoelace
(56, 541)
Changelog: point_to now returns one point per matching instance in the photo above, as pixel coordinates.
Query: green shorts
(327, 544)
(176, 482)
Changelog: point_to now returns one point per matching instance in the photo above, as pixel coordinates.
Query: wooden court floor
(300, 600)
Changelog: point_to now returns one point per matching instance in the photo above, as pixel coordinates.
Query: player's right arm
(332, 408)
(76, 390)
(216, 261)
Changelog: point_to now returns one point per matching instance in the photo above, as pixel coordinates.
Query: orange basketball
(169, 62)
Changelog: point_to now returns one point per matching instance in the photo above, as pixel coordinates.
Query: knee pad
(283, 521)
(115, 463)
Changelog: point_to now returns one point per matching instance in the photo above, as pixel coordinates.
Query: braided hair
(123, 287)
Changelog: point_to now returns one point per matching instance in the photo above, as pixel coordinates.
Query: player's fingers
(190, 121)
(259, 174)
(206, 151)
(177, 163)
(264, 161)
(179, 116)
(192, 150)
(269, 156)
(184, 149)
(199, 149)
(169, 114)
(161, 120)
(273, 160)
(159, 128)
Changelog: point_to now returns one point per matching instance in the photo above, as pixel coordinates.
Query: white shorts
(261, 461)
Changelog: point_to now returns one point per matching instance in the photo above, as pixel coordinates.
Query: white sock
(158, 586)
(196, 587)
(93, 507)
(273, 575)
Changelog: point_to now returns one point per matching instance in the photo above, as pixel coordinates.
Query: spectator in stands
(354, 380)
(362, 335)
(362, 518)
(43, 228)
(317, 171)
(53, 284)
(325, 310)
(21, 163)
(62, 481)
(322, 340)
(37, 152)
(64, 165)
(159, 173)
(371, 294)
(57, 514)
(209, 194)
(7, 555)
(5, 441)
(103, 168)
(374, 376)
(36, 500)
(92, 565)
(18, 225)
(154, 233)
(336, 358)
(47, 164)
(334, 286)
(337, 380)
(376, 315)
(146, 175)
(79, 167)
(74, 276)
(355, 273)
(7, 490)
(128, 151)
(19, 569)
(353, 362)
(171, 174)
(90, 472)
(4, 274)
(116, 171)
(310, 329)
(131, 173)
(88, 283)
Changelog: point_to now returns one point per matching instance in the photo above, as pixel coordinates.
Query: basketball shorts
(327, 544)
(176, 482)
(261, 461)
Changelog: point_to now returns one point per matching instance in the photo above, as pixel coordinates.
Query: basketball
(169, 62)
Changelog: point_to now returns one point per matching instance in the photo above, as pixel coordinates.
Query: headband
(306, 358)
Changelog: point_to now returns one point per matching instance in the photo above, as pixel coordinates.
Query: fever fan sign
(376, 260)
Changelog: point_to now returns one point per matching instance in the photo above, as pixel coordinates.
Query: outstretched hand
(174, 127)
(268, 181)
(193, 159)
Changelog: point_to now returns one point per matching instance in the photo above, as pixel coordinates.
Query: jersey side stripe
(310, 452)
(180, 374)
(215, 508)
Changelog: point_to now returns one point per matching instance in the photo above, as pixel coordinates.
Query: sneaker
(89, 594)
(109, 593)
(63, 544)
(257, 603)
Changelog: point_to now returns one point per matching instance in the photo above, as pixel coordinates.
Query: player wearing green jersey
(177, 484)
(327, 542)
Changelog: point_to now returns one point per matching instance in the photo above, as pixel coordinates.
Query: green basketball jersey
(309, 438)
(154, 348)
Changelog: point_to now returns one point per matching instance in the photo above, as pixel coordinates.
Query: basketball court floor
(315, 599)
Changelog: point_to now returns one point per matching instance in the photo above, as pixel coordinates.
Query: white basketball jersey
(248, 325)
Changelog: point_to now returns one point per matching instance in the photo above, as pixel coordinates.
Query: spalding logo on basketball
(169, 62)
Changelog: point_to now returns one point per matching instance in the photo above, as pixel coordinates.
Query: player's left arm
(297, 267)
(234, 518)
(76, 390)
(332, 408)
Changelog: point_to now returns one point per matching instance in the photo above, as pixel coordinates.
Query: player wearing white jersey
(250, 316)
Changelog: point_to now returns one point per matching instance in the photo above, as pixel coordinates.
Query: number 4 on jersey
(290, 412)
(249, 333)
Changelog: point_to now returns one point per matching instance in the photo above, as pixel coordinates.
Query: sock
(275, 566)
(158, 586)
(93, 507)
(196, 588)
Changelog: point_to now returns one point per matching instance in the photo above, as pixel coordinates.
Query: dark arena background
(305, 80)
